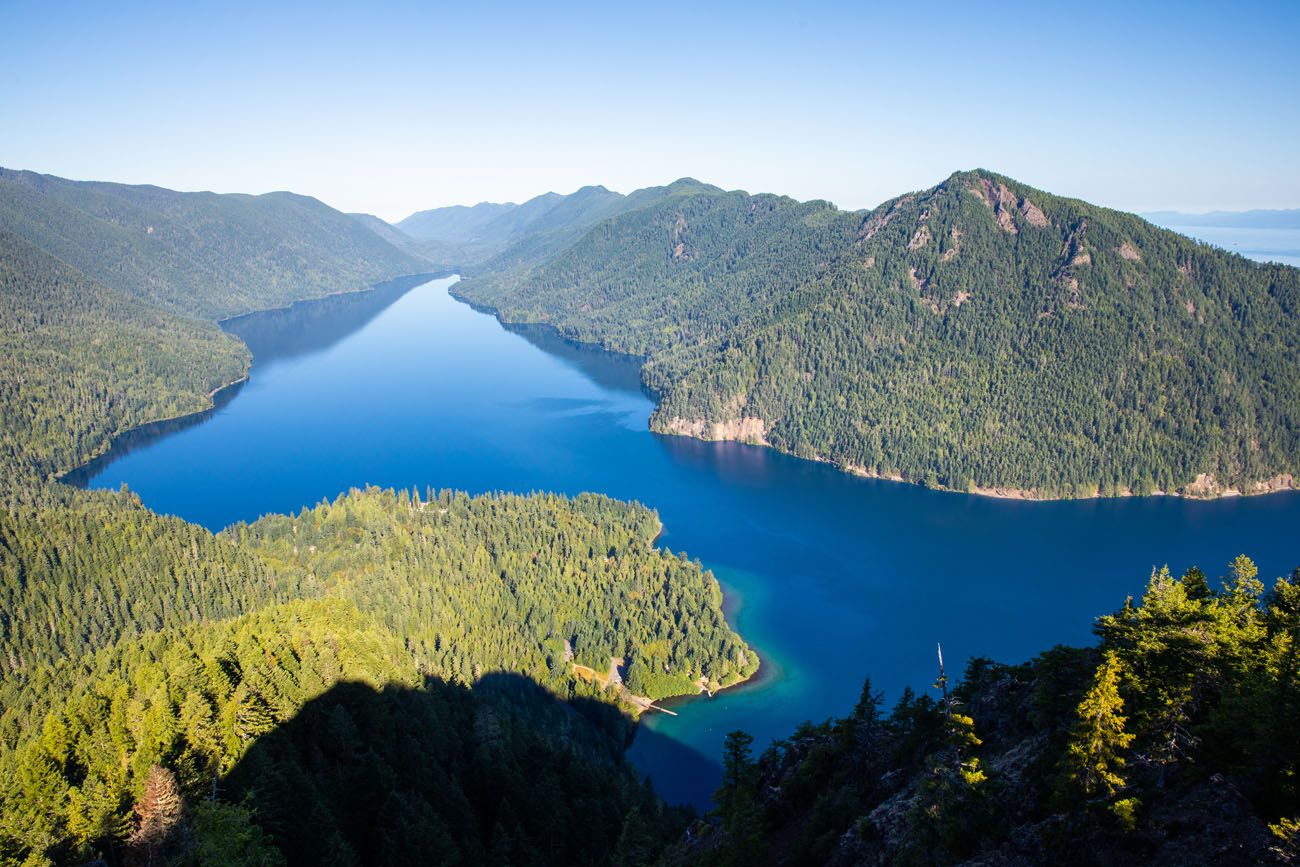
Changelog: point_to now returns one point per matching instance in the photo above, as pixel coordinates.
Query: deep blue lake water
(1261, 244)
(831, 577)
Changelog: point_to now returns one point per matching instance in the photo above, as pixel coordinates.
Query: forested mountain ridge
(455, 223)
(84, 363)
(490, 223)
(202, 254)
(494, 237)
(981, 335)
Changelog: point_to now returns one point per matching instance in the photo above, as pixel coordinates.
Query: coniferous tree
(160, 818)
(737, 801)
(1095, 757)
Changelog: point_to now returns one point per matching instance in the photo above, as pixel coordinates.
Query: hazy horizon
(407, 107)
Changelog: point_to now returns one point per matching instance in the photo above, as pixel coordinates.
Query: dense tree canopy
(83, 363)
(199, 253)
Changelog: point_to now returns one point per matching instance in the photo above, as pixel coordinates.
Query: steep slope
(565, 224)
(1171, 743)
(980, 334)
(83, 362)
(579, 208)
(488, 224)
(456, 223)
(688, 266)
(514, 222)
(200, 253)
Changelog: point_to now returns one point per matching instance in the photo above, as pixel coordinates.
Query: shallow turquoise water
(832, 577)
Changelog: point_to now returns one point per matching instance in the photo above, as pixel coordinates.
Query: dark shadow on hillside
(444, 774)
(310, 326)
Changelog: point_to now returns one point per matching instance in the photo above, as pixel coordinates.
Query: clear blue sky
(390, 108)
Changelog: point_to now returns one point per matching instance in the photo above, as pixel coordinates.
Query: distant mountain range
(1258, 219)
(467, 237)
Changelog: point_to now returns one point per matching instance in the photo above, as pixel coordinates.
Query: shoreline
(1002, 492)
(766, 673)
(1278, 484)
(732, 602)
(767, 670)
(214, 396)
(432, 275)
(671, 703)
(147, 428)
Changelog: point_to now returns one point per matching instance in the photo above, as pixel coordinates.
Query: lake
(1281, 245)
(831, 577)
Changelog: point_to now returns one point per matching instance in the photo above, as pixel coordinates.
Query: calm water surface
(831, 577)
(1262, 245)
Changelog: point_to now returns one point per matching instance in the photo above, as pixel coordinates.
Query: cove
(831, 577)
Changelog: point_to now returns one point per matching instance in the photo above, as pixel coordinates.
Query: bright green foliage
(977, 333)
(950, 804)
(475, 590)
(323, 721)
(961, 735)
(1218, 666)
(1125, 811)
(500, 582)
(79, 570)
(1287, 832)
(1095, 755)
(187, 699)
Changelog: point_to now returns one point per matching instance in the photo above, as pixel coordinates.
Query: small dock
(615, 679)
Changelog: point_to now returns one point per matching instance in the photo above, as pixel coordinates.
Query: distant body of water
(831, 577)
(1262, 245)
